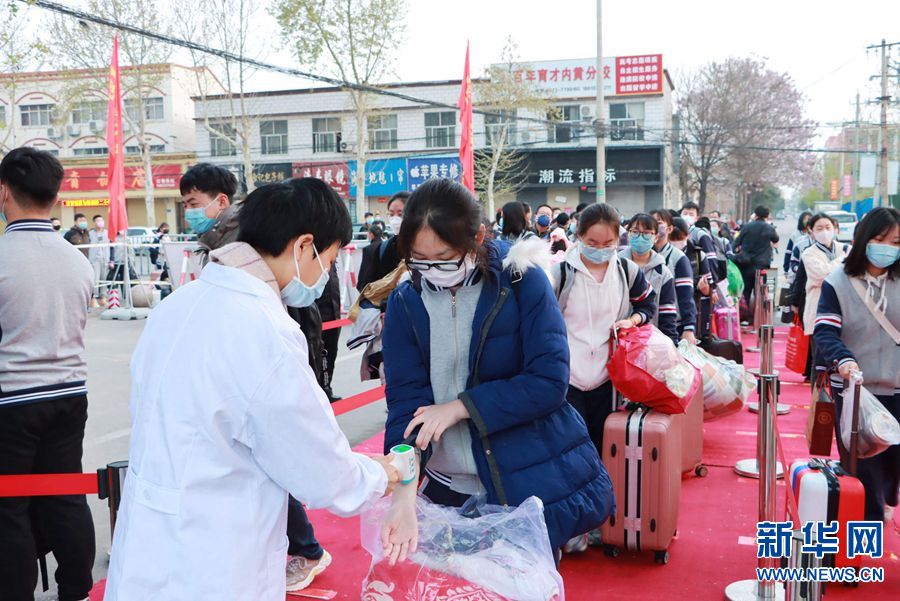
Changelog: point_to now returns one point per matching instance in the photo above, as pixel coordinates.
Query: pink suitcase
(642, 452)
(692, 436)
(728, 323)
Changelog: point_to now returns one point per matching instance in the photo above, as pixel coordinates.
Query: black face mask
(57, 227)
(164, 231)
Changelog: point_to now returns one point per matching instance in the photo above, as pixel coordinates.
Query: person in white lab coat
(228, 418)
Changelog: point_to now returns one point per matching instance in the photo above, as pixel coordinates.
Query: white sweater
(590, 313)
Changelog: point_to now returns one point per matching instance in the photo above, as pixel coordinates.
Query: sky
(821, 44)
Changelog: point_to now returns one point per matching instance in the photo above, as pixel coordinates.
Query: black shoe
(331, 396)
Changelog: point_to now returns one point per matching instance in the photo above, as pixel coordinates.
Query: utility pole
(600, 123)
(884, 100)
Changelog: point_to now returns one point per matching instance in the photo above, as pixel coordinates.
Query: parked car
(846, 224)
(141, 235)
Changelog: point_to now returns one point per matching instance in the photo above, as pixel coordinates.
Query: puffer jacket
(526, 438)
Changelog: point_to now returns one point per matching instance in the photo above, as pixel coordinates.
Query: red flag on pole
(118, 215)
(466, 152)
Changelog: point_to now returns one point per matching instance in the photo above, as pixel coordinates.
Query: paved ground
(109, 347)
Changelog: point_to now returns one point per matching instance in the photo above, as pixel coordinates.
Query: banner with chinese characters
(336, 175)
(78, 179)
(421, 169)
(78, 203)
(383, 177)
(577, 78)
(624, 166)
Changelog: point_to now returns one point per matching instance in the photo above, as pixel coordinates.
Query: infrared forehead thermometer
(405, 462)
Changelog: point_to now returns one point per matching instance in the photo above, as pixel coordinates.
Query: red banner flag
(466, 151)
(118, 215)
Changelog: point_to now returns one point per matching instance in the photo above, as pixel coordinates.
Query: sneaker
(594, 538)
(888, 514)
(578, 544)
(301, 571)
(94, 304)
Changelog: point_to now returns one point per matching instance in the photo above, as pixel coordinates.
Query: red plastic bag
(647, 368)
(797, 351)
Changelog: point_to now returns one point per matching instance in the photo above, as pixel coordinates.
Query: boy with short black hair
(207, 192)
(43, 390)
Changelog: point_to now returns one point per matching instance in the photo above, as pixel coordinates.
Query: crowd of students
(495, 344)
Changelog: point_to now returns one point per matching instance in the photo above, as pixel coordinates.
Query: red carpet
(716, 530)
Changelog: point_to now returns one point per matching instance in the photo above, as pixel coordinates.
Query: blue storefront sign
(383, 177)
(421, 169)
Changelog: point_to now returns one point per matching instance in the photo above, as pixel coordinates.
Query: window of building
(220, 140)
(567, 129)
(153, 148)
(440, 129)
(85, 112)
(499, 128)
(274, 136)
(2, 116)
(326, 134)
(626, 121)
(154, 109)
(383, 132)
(36, 114)
(85, 152)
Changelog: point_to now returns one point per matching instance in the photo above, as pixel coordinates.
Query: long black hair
(450, 210)
(803, 221)
(876, 222)
(514, 223)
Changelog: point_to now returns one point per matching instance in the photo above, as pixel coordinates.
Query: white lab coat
(227, 420)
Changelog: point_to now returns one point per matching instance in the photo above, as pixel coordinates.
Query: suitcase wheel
(701, 471)
(611, 551)
(661, 557)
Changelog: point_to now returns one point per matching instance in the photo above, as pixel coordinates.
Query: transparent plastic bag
(662, 361)
(726, 384)
(490, 552)
(878, 429)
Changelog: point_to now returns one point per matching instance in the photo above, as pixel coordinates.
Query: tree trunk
(491, 211)
(701, 196)
(248, 163)
(149, 196)
(361, 141)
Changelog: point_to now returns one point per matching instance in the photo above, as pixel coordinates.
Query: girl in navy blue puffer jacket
(475, 353)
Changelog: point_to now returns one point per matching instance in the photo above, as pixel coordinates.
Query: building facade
(64, 112)
(314, 132)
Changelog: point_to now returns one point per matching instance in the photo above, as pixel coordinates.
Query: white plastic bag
(506, 551)
(726, 384)
(878, 429)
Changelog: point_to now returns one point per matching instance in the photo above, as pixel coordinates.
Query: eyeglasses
(647, 235)
(437, 265)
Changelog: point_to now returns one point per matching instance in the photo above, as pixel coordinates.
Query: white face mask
(680, 244)
(449, 279)
(824, 237)
(395, 222)
(690, 220)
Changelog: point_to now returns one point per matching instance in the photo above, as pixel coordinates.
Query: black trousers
(301, 537)
(880, 475)
(330, 340)
(44, 438)
(594, 406)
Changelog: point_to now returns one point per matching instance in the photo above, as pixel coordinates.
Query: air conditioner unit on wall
(95, 126)
(587, 112)
(74, 131)
(54, 133)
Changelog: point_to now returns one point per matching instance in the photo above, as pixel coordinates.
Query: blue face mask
(597, 256)
(197, 219)
(299, 295)
(641, 243)
(3, 217)
(882, 255)
(82, 225)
